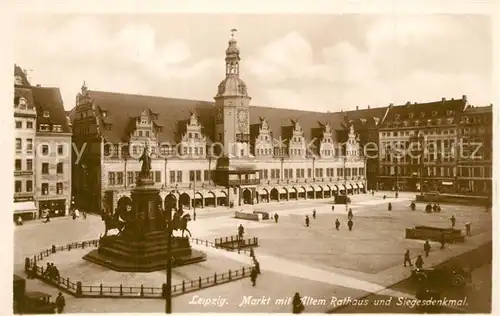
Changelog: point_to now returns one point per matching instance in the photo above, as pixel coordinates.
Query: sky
(316, 62)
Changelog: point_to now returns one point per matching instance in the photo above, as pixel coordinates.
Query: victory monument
(145, 232)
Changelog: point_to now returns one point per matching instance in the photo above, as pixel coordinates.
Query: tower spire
(232, 56)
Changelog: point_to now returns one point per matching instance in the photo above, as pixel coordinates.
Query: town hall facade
(206, 154)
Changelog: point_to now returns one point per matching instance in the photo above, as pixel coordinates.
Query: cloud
(412, 57)
(416, 58)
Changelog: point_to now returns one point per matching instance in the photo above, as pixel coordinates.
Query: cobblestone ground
(376, 243)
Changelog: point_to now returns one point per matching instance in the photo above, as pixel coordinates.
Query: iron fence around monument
(78, 289)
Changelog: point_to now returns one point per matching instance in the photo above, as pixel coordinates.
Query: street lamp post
(345, 184)
(194, 196)
(168, 285)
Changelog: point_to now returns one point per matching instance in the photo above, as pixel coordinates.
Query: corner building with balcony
(209, 153)
(43, 150)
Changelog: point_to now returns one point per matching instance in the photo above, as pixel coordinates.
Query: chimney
(408, 103)
(391, 105)
(368, 106)
(38, 85)
(415, 103)
(452, 99)
(443, 99)
(464, 98)
(357, 107)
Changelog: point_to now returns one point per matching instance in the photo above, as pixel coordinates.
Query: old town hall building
(210, 153)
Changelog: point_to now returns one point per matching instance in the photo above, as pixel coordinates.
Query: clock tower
(232, 125)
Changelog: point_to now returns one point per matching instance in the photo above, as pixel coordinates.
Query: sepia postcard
(273, 162)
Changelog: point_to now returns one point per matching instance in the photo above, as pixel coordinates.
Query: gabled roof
(123, 107)
(49, 99)
(18, 71)
(478, 110)
(440, 107)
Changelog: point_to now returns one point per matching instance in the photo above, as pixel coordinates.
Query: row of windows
(18, 165)
(59, 168)
(18, 187)
(29, 146)
(19, 124)
(46, 128)
(299, 173)
(406, 171)
(424, 132)
(478, 172)
(117, 178)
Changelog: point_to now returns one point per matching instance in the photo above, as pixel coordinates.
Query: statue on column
(146, 162)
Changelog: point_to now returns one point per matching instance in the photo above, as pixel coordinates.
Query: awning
(361, 186)
(335, 187)
(350, 185)
(302, 190)
(309, 189)
(343, 187)
(328, 188)
(28, 206)
(282, 191)
(318, 188)
(447, 183)
(263, 192)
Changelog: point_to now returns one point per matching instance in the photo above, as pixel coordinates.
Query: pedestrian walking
(350, 224)
(253, 276)
(453, 220)
(427, 247)
(276, 217)
(19, 221)
(443, 241)
(297, 305)
(252, 253)
(419, 263)
(47, 218)
(467, 229)
(60, 303)
(257, 265)
(389, 207)
(337, 224)
(407, 259)
(84, 214)
(307, 221)
(314, 213)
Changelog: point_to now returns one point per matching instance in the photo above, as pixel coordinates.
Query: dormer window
(104, 114)
(18, 80)
(422, 114)
(44, 127)
(434, 113)
(411, 115)
(46, 114)
(396, 116)
(57, 128)
(449, 112)
(22, 103)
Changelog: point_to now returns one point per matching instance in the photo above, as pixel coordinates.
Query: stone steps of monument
(122, 251)
(126, 265)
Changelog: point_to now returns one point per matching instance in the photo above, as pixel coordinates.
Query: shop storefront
(25, 208)
(55, 208)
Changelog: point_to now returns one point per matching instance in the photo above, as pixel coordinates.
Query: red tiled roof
(49, 99)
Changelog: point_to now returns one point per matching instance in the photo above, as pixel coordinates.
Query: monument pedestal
(142, 247)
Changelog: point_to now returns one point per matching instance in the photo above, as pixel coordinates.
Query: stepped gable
(280, 120)
(123, 108)
(49, 99)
